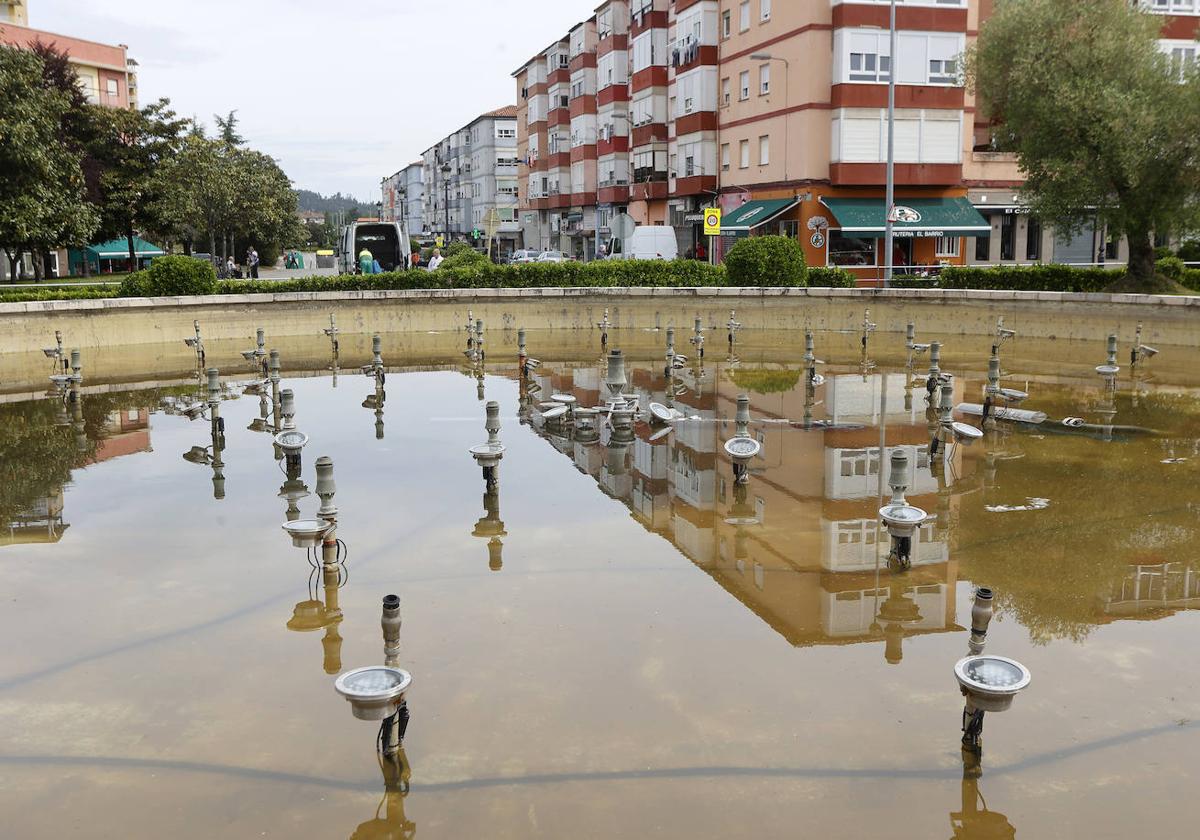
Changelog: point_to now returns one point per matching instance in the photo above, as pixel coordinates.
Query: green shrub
(1189, 251)
(830, 277)
(767, 261)
(70, 293)
(1172, 267)
(1191, 279)
(168, 276)
(462, 256)
(1030, 278)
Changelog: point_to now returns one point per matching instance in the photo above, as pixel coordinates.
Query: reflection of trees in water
(37, 456)
(765, 380)
(1111, 506)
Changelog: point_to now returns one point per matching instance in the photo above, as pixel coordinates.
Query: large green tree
(1104, 125)
(42, 200)
(131, 146)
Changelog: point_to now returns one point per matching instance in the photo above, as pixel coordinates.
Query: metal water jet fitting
(479, 339)
(287, 408)
(1110, 367)
(741, 417)
(1002, 335)
(615, 379)
(868, 327)
(76, 367)
(326, 489)
(697, 338)
(604, 324)
(732, 325)
(260, 341)
(981, 617)
(489, 455)
(470, 330)
(1141, 352)
(741, 448)
(935, 371)
(214, 388)
(196, 343)
(390, 623)
(521, 348)
(910, 336)
(332, 332)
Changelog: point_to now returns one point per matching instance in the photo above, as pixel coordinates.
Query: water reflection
(799, 542)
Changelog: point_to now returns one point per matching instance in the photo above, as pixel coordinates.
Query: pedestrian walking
(252, 262)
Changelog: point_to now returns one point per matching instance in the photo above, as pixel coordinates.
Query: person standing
(435, 260)
(252, 262)
(365, 259)
(416, 259)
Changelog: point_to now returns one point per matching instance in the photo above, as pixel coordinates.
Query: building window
(111, 86)
(948, 246)
(1008, 237)
(869, 67)
(764, 80)
(983, 248)
(764, 10)
(764, 150)
(726, 88)
(1033, 240)
(1110, 247)
(724, 157)
(943, 71)
(850, 251)
(744, 16)
(726, 24)
(744, 162)
(744, 85)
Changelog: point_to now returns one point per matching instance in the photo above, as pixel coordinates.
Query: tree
(131, 147)
(1104, 126)
(227, 128)
(42, 189)
(196, 192)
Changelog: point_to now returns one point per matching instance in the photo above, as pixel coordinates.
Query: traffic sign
(623, 226)
(712, 221)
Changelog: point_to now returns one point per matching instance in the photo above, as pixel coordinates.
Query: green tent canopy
(115, 249)
(865, 218)
(753, 214)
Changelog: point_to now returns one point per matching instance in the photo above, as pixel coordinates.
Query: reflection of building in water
(50, 440)
(1149, 591)
(802, 546)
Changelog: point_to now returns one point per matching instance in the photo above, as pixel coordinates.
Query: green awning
(754, 213)
(120, 248)
(865, 217)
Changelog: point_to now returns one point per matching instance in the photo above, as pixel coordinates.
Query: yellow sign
(712, 221)
(440, 242)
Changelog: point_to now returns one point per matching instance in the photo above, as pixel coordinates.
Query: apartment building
(471, 173)
(107, 76)
(404, 198)
(776, 112)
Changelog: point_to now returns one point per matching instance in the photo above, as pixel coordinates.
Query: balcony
(613, 191)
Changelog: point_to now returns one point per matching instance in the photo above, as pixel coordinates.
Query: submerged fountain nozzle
(1110, 367)
(981, 617)
(488, 455)
(326, 489)
(76, 366)
(901, 518)
(390, 623)
(214, 387)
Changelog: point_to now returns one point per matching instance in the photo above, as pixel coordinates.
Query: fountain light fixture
(375, 692)
(990, 683)
(741, 448)
(307, 533)
(901, 518)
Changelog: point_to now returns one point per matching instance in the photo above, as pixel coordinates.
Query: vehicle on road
(649, 242)
(523, 257)
(387, 241)
(553, 256)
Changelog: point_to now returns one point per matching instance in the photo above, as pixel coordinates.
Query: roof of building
(506, 111)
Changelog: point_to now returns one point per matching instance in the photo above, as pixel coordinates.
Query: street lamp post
(889, 200)
(446, 186)
(787, 70)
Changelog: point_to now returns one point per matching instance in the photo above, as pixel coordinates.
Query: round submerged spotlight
(742, 448)
(306, 533)
(902, 520)
(291, 441)
(661, 413)
(374, 692)
(965, 433)
(1108, 370)
(991, 682)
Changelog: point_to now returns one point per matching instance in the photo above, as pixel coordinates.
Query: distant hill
(317, 203)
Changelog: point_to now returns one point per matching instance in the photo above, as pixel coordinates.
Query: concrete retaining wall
(92, 324)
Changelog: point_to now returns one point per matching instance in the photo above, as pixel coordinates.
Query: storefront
(929, 232)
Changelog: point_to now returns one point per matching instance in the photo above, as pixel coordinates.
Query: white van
(387, 242)
(649, 242)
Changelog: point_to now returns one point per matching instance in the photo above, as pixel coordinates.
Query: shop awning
(120, 248)
(865, 217)
(752, 214)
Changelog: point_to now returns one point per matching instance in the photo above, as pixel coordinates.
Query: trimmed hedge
(767, 261)
(1029, 278)
(169, 276)
(1191, 279)
(58, 293)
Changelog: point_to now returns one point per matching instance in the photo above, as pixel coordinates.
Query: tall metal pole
(890, 197)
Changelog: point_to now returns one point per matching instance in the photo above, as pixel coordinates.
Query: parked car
(553, 256)
(522, 257)
(649, 242)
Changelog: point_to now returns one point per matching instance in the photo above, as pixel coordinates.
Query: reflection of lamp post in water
(973, 822)
(491, 528)
(896, 612)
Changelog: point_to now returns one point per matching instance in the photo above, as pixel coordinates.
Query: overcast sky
(341, 93)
